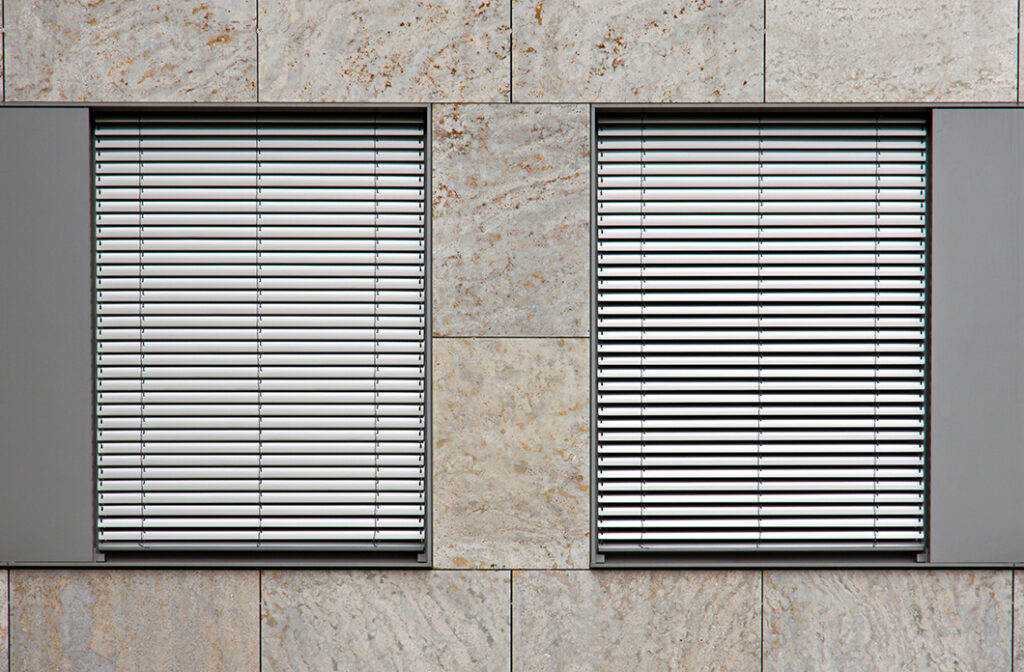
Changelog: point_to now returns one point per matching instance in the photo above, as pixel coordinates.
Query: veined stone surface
(385, 620)
(1018, 620)
(866, 620)
(130, 620)
(511, 220)
(2, 66)
(637, 51)
(636, 620)
(511, 486)
(878, 50)
(125, 50)
(384, 50)
(4, 658)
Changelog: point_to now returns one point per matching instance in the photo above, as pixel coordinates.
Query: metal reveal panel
(977, 445)
(45, 379)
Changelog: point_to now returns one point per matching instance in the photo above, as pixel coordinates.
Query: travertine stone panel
(879, 50)
(384, 50)
(866, 620)
(385, 620)
(636, 620)
(510, 452)
(511, 217)
(127, 50)
(637, 51)
(3, 621)
(130, 620)
(2, 66)
(1018, 619)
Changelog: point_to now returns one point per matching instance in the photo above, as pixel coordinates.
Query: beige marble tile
(130, 620)
(511, 453)
(878, 50)
(510, 220)
(637, 51)
(384, 50)
(636, 620)
(886, 620)
(125, 50)
(385, 620)
(4, 659)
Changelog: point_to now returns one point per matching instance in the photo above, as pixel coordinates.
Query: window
(261, 330)
(760, 343)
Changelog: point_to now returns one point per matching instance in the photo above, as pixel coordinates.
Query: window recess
(760, 332)
(261, 344)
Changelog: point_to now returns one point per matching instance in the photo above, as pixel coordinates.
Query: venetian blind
(261, 330)
(760, 338)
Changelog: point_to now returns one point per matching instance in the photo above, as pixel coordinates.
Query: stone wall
(511, 82)
(522, 619)
(520, 51)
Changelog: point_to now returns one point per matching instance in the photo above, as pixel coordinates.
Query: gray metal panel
(46, 465)
(977, 336)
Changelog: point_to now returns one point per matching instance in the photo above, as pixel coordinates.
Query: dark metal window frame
(755, 558)
(278, 557)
